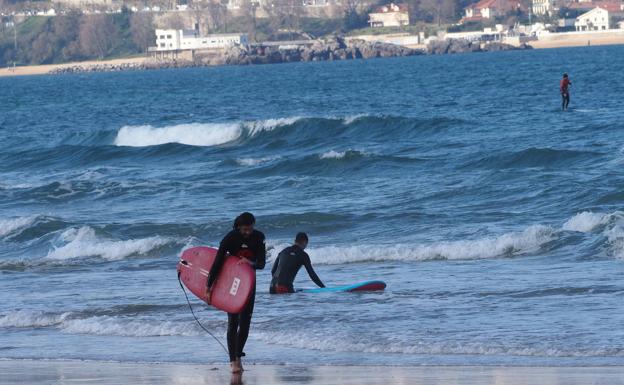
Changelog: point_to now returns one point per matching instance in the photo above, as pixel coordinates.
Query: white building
(545, 7)
(595, 20)
(184, 39)
(392, 15)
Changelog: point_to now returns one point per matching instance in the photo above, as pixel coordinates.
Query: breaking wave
(195, 134)
(506, 245)
(83, 242)
(588, 221)
(14, 226)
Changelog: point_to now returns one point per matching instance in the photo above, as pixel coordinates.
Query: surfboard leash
(196, 319)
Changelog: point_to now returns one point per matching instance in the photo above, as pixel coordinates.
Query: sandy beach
(579, 39)
(46, 68)
(105, 373)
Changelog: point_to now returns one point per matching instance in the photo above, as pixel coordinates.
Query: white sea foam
(101, 325)
(586, 221)
(350, 119)
(505, 245)
(117, 326)
(611, 223)
(351, 343)
(250, 162)
(333, 154)
(615, 237)
(31, 319)
(258, 126)
(83, 242)
(13, 225)
(195, 134)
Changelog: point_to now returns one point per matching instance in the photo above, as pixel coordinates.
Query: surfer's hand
(243, 260)
(208, 294)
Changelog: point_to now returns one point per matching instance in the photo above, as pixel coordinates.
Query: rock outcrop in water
(439, 47)
(333, 48)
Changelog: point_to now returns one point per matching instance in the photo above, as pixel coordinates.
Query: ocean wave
(506, 245)
(612, 225)
(532, 157)
(195, 134)
(83, 242)
(615, 238)
(13, 226)
(306, 128)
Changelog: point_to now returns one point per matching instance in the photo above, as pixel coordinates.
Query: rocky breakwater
(333, 48)
(441, 47)
(110, 67)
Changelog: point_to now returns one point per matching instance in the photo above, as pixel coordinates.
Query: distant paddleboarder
(564, 88)
(287, 265)
(249, 244)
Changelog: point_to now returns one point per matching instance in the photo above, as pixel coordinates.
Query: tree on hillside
(42, 49)
(66, 31)
(284, 14)
(249, 8)
(142, 30)
(355, 14)
(437, 11)
(97, 35)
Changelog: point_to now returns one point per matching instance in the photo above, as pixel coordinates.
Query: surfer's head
(245, 223)
(565, 75)
(301, 240)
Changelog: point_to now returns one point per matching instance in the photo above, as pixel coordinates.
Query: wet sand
(111, 373)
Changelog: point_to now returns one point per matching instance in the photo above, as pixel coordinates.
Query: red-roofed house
(391, 15)
(614, 7)
(488, 9)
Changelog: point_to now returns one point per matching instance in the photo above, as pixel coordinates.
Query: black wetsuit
(286, 267)
(238, 324)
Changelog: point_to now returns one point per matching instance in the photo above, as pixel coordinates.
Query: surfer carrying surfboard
(249, 244)
(287, 265)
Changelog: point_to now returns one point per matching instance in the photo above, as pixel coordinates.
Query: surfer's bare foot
(240, 364)
(236, 367)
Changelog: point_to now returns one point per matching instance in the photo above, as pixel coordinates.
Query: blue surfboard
(361, 286)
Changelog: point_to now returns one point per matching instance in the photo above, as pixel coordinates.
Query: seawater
(496, 220)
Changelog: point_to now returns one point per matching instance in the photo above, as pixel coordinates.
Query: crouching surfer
(249, 244)
(287, 265)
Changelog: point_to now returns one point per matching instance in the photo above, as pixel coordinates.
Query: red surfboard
(232, 289)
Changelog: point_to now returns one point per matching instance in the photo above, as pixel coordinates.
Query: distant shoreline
(547, 42)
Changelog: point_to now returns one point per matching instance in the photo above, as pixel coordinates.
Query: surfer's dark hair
(245, 219)
(565, 75)
(301, 237)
